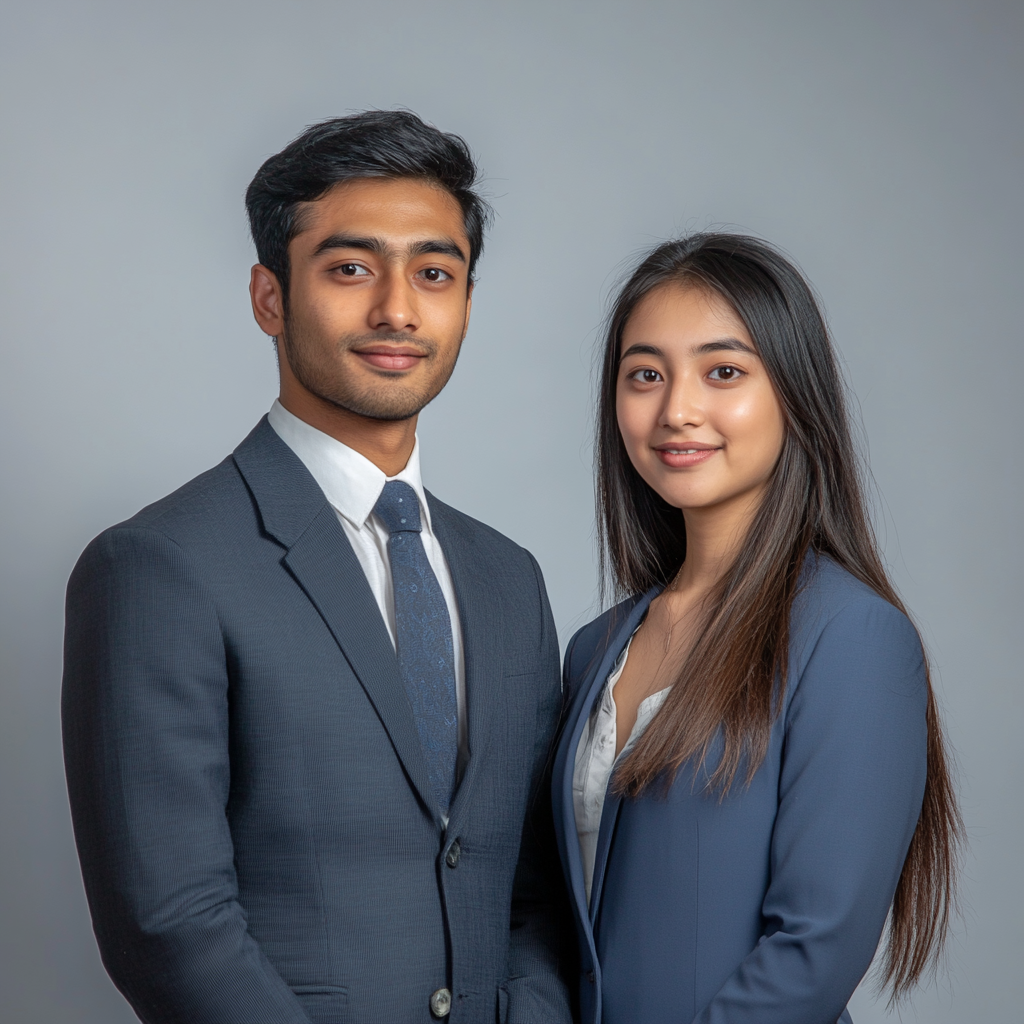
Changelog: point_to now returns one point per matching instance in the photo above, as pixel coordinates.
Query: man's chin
(386, 409)
(387, 397)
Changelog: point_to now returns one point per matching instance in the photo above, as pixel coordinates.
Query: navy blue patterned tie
(423, 632)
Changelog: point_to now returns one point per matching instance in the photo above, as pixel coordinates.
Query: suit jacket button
(441, 1003)
(451, 858)
(591, 977)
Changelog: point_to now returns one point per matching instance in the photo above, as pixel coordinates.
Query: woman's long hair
(731, 683)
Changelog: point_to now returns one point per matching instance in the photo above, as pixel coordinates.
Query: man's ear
(469, 308)
(267, 300)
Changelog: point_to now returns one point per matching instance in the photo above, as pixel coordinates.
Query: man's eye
(646, 376)
(352, 270)
(726, 373)
(434, 275)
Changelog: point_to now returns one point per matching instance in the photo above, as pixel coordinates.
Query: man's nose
(395, 306)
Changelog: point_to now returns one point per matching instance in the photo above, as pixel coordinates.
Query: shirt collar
(350, 481)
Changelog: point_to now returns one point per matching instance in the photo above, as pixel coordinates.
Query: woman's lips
(681, 456)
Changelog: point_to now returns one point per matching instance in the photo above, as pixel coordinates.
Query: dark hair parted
(372, 144)
(731, 683)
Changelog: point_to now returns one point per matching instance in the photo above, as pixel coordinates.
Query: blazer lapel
(609, 819)
(480, 619)
(319, 556)
(565, 762)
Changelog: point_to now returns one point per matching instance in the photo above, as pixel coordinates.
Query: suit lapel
(480, 619)
(328, 571)
(609, 819)
(319, 556)
(565, 762)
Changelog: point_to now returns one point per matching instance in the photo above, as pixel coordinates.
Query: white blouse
(596, 760)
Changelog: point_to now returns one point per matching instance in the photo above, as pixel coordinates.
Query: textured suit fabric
(764, 907)
(258, 836)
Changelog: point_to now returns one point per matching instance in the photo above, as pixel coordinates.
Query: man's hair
(373, 144)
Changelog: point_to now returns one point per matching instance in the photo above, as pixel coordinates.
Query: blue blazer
(765, 907)
(258, 836)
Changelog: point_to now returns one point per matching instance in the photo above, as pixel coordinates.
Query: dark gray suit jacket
(256, 828)
(764, 907)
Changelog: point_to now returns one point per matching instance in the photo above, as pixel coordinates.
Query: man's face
(379, 297)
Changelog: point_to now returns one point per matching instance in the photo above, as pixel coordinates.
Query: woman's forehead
(683, 314)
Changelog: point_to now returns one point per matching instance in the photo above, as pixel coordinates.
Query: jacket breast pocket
(324, 1004)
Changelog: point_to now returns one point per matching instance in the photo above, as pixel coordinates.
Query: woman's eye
(646, 376)
(434, 275)
(726, 373)
(352, 270)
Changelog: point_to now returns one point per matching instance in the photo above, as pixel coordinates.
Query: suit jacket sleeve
(540, 940)
(145, 714)
(850, 794)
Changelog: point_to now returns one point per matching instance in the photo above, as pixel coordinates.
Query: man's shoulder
(205, 524)
(207, 502)
(261, 486)
(454, 526)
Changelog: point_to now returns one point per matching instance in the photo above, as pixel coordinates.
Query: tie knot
(399, 508)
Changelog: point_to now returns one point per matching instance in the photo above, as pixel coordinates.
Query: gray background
(878, 142)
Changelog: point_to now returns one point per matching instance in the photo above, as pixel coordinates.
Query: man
(307, 706)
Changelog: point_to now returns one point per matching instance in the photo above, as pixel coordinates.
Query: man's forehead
(403, 210)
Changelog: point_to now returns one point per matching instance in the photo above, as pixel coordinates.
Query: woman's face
(697, 412)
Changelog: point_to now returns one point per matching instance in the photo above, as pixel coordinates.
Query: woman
(751, 774)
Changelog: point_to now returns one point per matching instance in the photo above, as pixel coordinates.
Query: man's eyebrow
(374, 245)
(441, 246)
(380, 247)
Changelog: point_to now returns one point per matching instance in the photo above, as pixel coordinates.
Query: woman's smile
(685, 455)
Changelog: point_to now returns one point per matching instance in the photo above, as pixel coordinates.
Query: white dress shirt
(596, 760)
(352, 484)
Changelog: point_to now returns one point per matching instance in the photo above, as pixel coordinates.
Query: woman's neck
(714, 537)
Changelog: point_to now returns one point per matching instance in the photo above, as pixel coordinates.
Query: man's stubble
(390, 400)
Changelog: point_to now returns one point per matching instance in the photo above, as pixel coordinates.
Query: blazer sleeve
(145, 717)
(540, 942)
(850, 794)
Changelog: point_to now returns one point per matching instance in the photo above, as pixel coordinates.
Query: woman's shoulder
(590, 642)
(827, 589)
(838, 618)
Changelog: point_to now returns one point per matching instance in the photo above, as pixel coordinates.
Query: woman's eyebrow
(641, 350)
(723, 345)
(718, 345)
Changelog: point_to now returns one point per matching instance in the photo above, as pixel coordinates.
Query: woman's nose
(682, 406)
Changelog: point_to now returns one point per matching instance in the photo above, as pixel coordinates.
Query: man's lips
(681, 454)
(390, 357)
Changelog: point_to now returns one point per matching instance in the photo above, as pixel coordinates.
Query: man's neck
(386, 443)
